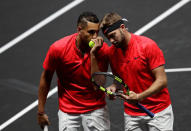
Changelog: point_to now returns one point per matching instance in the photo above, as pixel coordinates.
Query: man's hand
(43, 120)
(112, 88)
(98, 44)
(132, 98)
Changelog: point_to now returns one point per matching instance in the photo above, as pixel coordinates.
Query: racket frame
(149, 113)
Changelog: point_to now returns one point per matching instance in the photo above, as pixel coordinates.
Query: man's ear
(122, 26)
(79, 28)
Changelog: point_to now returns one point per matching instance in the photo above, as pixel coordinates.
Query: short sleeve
(154, 55)
(50, 59)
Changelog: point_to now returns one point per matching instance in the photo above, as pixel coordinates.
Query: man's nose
(111, 40)
(95, 35)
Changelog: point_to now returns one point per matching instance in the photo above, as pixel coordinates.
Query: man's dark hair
(87, 17)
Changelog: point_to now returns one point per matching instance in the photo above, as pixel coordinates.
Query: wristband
(40, 113)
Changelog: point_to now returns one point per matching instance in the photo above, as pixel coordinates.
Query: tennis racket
(46, 128)
(104, 79)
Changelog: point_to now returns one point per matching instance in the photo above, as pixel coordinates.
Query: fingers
(95, 88)
(123, 96)
(43, 120)
(98, 41)
(98, 44)
(112, 97)
(132, 98)
(112, 88)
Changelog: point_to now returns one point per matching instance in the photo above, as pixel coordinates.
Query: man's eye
(112, 35)
(92, 32)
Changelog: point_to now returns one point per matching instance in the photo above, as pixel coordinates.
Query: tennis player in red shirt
(140, 63)
(79, 103)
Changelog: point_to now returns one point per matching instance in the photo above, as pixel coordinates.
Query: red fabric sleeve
(50, 59)
(154, 55)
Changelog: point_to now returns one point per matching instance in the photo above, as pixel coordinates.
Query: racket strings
(106, 81)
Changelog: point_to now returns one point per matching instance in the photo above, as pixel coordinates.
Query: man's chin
(117, 45)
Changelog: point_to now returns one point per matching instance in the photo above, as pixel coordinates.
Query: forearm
(98, 44)
(42, 95)
(44, 88)
(159, 83)
(153, 89)
(94, 64)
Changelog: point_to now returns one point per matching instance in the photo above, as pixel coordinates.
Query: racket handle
(46, 128)
(145, 110)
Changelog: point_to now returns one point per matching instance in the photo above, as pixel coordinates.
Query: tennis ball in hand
(91, 44)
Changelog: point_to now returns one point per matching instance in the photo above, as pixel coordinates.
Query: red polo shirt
(135, 67)
(75, 89)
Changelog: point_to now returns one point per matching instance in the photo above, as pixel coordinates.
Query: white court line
(175, 70)
(178, 70)
(139, 32)
(23, 36)
(25, 110)
(162, 16)
(53, 91)
(40, 25)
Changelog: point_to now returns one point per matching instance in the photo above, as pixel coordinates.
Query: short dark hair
(87, 17)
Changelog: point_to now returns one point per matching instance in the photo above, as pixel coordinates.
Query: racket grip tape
(46, 128)
(105, 90)
(145, 110)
